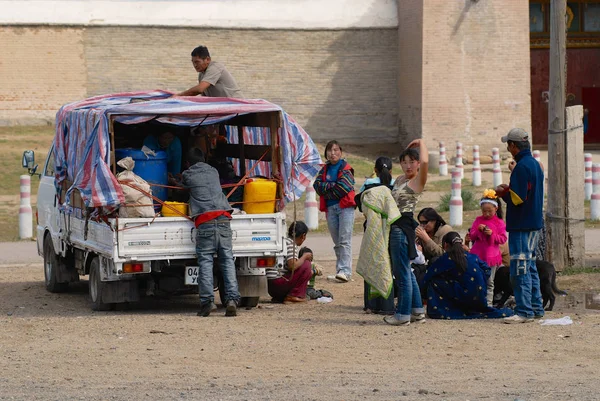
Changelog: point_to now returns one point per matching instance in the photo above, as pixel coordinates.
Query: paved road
(24, 252)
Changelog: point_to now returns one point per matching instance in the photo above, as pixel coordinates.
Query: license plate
(191, 275)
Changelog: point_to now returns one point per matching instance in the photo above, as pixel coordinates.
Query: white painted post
(456, 202)
(588, 176)
(595, 198)
(443, 162)
(25, 215)
(496, 171)
(476, 167)
(459, 160)
(595, 206)
(311, 208)
(596, 178)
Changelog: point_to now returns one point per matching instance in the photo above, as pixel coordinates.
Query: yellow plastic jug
(179, 206)
(259, 196)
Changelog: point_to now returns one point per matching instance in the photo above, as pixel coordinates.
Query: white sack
(133, 197)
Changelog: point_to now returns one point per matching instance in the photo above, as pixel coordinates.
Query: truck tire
(51, 266)
(97, 287)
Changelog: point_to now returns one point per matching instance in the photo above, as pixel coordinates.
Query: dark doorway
(591, 101)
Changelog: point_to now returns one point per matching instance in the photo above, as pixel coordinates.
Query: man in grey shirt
(214, 80)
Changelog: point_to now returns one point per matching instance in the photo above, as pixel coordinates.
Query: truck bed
(174, 237)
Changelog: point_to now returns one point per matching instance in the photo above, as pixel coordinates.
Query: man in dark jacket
(211, 213)
(524, 199)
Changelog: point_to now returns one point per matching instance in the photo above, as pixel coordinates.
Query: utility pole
(556, 135)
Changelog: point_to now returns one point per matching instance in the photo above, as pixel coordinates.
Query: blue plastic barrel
(153, 169)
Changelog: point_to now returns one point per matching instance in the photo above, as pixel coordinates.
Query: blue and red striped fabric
(82, 140)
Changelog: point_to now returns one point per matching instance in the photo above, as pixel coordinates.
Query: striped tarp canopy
(82, 141)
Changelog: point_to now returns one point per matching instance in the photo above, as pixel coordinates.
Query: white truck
(127, 258)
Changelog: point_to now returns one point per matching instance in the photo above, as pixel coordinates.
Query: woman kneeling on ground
(456, 284)
(291, 287)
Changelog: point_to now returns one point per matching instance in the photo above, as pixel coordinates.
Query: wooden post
(575, 229)
(556, 208)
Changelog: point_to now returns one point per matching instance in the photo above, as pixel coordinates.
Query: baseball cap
(516, 135)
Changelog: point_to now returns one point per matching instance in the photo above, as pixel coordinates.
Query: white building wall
(233, 14)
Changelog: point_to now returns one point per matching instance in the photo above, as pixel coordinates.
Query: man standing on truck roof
(213, 79)
(211, 213)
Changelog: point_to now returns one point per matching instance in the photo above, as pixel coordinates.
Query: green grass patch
(571, 271)
(446, 184)
(589, 223)
(470, 201)
(9, 223)
(438, 186)
(15, 141)
(362, 166)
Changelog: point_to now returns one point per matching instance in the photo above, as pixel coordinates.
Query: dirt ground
(54, 347)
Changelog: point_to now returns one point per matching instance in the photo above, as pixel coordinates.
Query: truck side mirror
(28, 159)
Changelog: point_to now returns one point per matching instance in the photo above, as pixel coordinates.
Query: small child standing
(488, 232)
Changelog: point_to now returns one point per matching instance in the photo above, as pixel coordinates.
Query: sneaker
(517, 319)
(231, 308)
(395, 322)
(417, 318)
(206, 308)
(311, 293)
(342, 277)
(538, 317)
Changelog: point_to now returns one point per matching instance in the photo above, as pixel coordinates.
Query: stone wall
(338, 84)
(476, 70)
(41, 68)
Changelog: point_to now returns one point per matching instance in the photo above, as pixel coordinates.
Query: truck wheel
(249, 302)
(51, 266)
(96, 287)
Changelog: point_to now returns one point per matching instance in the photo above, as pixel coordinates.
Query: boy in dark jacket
(211, 213)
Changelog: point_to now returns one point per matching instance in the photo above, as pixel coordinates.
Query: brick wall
(476, 74)
(41, 68)
(410, 69)
(338, 84)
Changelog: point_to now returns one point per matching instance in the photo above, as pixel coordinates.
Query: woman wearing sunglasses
(430, 232)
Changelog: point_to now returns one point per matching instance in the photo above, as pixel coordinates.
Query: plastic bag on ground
(134, 198)
(563, 321)
(324, 300)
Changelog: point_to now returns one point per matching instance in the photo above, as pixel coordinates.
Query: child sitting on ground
(311, 291)
(291, 287)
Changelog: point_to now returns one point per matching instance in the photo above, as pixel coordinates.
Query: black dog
(548, 286)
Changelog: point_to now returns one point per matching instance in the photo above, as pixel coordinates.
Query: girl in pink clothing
(488, 232)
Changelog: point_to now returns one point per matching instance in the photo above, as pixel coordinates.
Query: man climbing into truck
(211, 213)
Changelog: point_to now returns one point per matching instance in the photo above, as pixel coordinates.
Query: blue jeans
(523, 273)
(214, 237)
(341, 223)
(409, 296)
